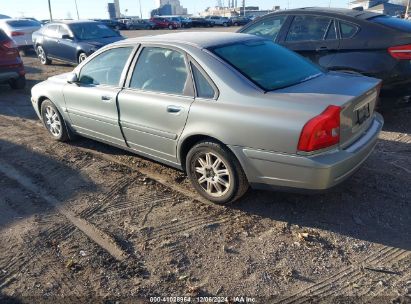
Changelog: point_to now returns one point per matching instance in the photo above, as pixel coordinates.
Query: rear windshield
(395, 23)
(267, 64)
(3, 36)
(89, 31)
(22, 23)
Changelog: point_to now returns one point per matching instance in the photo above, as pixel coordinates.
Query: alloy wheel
(82, 57)
(53, 122)
(41, 55)
(212, 174)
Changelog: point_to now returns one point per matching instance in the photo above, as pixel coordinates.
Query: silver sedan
(231, 110)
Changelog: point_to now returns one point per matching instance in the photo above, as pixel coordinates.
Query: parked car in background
(113, 24)
(201, 22)
(240, 21)
(140, 24)
(164, 23)
(11, 66)
(72, 41)
(20, 30)
(218, 20)
(357, 42)
(302, 128)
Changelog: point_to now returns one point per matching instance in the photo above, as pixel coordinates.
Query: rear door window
(395, 23)
(268, 28)
(308, 28)
(332, 33)
(348, 30)
(51, 30)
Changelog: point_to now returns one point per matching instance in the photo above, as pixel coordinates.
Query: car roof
(336, 12)
(72, 21)
(198, 39)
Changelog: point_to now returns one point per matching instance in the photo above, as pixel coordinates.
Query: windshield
(22, 23)
(267, 64)
(395, 23)
(89, 31)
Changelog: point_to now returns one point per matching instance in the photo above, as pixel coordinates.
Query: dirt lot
(83, 222)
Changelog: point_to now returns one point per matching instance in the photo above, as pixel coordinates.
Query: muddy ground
(82, 222)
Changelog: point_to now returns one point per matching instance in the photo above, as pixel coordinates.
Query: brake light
(402, 52)
(8, 44)
(14, 34)
(322, 131)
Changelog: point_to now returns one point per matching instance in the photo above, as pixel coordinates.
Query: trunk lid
(355, 94)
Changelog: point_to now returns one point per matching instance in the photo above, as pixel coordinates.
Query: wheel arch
(190, 141)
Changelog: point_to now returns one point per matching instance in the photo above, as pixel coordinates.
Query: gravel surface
(84, 222)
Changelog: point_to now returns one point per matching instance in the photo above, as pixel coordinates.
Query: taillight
(14, 34)
(401, 52)
(8, 44)
(322, 131)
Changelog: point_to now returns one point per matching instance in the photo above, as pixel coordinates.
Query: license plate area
(362, 114)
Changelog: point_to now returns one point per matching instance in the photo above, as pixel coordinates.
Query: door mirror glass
(72, 78)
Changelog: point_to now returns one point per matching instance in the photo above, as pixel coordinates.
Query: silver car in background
(20, 30)
(231, 110)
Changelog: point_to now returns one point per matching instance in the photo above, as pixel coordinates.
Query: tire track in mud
(344, 280)
(102, 239)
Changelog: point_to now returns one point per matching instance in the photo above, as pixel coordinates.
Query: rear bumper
(266, 169)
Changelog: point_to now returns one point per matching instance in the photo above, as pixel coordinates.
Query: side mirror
(72, 78)
(66, 37)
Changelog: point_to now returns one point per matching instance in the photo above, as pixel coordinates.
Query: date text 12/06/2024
(239, 299)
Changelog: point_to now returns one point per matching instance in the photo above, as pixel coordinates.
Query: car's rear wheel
(18, 83)
(170, 27)
(41, 54)
(215, 172)
(53, 121)
(225, 24)
(81, 57)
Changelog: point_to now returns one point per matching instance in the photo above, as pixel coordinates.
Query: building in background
(111, 10)
(165, 5)
(247, 11)
(164, 10)
(117, 5)
(392, 8)
(4, 17)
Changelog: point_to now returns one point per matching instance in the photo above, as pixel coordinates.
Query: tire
(236, 24)
(170, 27)
(19, 83)
(225, 24)
(53, 121)
(42, 55)
(81, 57)
(203, 163)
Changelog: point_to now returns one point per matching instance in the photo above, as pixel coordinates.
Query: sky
(98, 8)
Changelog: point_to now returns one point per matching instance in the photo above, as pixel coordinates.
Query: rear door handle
(174, 109)
(106, 98)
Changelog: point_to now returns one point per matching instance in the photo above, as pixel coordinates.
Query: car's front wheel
(53, 121)
(81, 57)
(215, 172)
(41, 54)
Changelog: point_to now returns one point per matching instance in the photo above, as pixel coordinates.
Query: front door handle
(174, 109)
(106, 98)
(322, 48)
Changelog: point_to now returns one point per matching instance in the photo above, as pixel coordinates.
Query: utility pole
(141, 11)
(244, 8)
(51, 16)
(78, 16)
(408, 9)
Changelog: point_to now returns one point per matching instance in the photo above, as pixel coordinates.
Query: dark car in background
(113, 24)
(140, 24)
(72, 41)
(165, 23)
(11, 66)
(240, 21)
(358, 42)
(201, 22)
